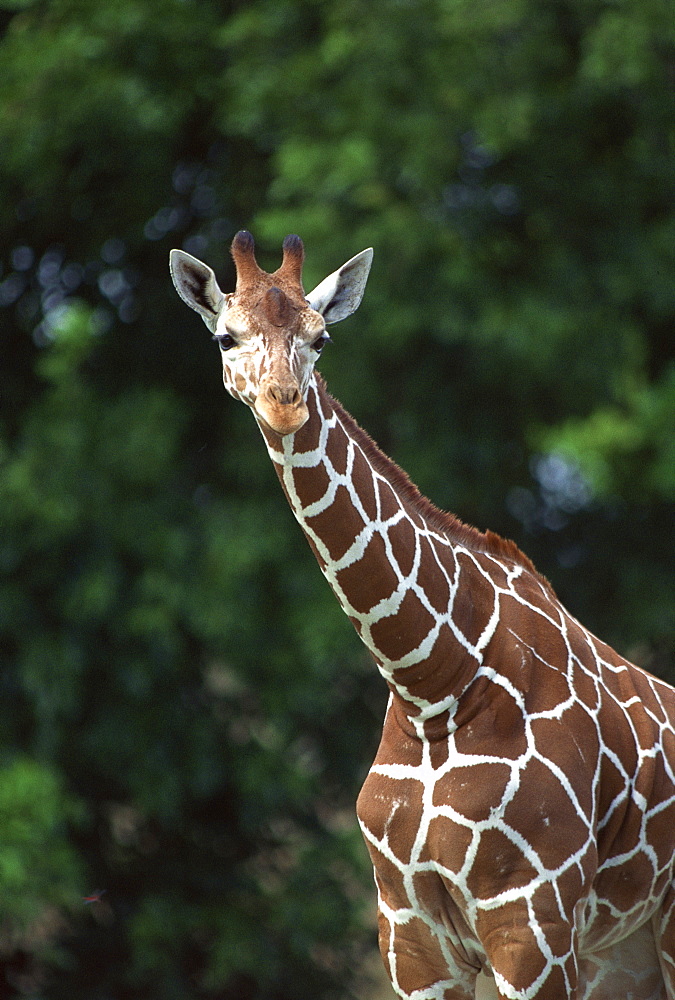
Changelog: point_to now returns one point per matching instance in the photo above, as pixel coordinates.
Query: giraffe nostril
(289, 396)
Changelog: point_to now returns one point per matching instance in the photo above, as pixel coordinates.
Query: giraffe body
(520, 811)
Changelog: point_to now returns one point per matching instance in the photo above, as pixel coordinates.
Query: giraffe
(520, 811)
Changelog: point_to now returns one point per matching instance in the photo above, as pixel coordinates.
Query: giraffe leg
(531, 959)
(419, 959)
(664, 934)
(629, 968)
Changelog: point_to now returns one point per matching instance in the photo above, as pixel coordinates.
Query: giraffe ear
(197, 286)
(340, 294)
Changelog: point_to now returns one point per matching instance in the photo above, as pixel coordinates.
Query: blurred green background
(186, 717)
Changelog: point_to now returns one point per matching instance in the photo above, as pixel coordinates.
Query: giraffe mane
(457, 531)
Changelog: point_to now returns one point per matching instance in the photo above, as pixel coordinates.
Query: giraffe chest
(552, 809)
(411, 855)
(432, 817)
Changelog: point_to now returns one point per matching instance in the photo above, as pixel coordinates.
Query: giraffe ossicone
(520, 811)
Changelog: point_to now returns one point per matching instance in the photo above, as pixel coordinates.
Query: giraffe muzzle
(281, 407)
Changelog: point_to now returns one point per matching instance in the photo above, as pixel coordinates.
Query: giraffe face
(269, 343)
(269, 333)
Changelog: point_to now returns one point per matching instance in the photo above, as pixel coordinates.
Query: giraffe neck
(415, 582)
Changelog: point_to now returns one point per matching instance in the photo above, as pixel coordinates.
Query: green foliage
(39, 868)
(186, 714)
(628, 451)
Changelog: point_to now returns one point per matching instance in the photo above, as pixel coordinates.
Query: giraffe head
(270, 333)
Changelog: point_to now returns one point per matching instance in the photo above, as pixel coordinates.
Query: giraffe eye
(225, 341)
(320, 342)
